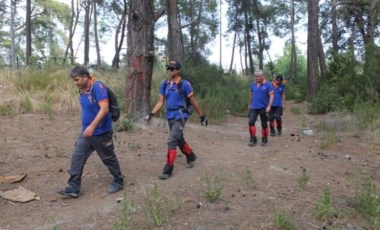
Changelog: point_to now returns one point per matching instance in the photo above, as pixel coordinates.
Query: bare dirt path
(40, 146)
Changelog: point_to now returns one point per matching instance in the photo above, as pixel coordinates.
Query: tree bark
(12, 33)
(120, 32)
(87, 22)
(174, 32)
(233, 52)
(28, 31)
(312, 50)
(293, 52)
(321, 57)
(334, 27)
(140, 56)
(98, 57)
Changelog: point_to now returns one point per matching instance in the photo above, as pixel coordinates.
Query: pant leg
(252, 117)
(277, 116)
(104, 147)
(271, 116)
(82, 150)
(175, 139)
(176, 134)
(264, 123)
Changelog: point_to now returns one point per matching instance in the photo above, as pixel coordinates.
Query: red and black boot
(190, 156)
(167, 172)
(264, 139)
(253, 139)
(279, 127)
(272, 131)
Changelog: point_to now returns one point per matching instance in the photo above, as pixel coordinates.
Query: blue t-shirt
(279, 91)
(260, 94)
(90, 108)
(175, 101)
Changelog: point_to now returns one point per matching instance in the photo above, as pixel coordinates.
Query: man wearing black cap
(279, 103)
(176, 91)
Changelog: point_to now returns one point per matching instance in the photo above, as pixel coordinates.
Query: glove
(204, 120)
(149, 117)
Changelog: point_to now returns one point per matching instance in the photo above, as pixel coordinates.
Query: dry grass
(50, 92)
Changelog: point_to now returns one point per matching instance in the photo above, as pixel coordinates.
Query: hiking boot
(114, 187)
(253, 141)
(264, 141)
(191, 158)
(279, 131)
(166, 172)
(68, 192)
(272, 133)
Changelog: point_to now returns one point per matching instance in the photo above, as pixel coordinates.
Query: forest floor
(257, 184)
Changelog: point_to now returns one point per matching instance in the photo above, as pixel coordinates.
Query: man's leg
(278, 118)
(252, 127)
(82, 150)
(175, 135)
(264, 127)
(188, 152)
(271, 122)
(104, 146)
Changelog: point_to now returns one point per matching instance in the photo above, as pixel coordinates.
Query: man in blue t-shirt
(176, 115)
(279, 103)
(96, 133)
(260, 103)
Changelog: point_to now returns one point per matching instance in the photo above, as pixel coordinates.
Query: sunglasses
(171, 69)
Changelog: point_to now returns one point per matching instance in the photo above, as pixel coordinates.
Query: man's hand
(149, 117)
(204, 120)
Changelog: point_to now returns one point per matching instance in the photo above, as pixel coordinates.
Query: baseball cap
(174, 65)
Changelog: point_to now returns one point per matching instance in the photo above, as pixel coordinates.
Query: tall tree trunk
(334, 27)
(174, 32)
(248, 27)
(28, 31)
(75, 11)
(140, 56)
(98, 58)
(87, 22)
(371, 24)
(233, 52)
(120, 32)
(293, 53)
(12, 32)
(321, 57)
(312, 50)
(192, 34)
(261, 41)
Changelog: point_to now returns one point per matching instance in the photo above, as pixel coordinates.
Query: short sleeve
(187, 88)
(162, 87)
(100, 91)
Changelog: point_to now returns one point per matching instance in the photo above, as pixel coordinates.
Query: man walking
(260, 103)
(176, 91)
(96, 133)
(279, 103)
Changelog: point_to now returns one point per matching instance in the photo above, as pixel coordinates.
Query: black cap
(280, 77)
(174, 65)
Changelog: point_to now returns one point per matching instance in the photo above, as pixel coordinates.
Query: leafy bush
(327, 100)
(367, 202)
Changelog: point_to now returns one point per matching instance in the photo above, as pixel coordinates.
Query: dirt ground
(40, 147)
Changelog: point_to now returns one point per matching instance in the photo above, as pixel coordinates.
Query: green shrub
(304, 178)
(367, 202)
(324, 210)
(327, 100)
(212, 190)
(284, 221)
